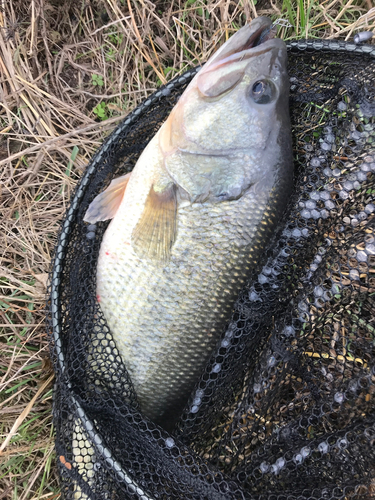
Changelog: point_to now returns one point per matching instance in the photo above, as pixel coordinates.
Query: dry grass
(69, 72)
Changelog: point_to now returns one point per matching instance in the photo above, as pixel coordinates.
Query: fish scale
(176, 313)
(191, 221)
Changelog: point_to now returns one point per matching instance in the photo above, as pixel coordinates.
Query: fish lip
(252, 52)
(260, 39)
(260, 35)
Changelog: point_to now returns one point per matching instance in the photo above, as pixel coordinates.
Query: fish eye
(263, 91)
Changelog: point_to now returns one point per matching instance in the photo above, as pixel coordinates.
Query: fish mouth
(227, 67)
(267, 31)
(252, 40)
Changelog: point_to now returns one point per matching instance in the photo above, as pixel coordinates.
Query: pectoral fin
(106, 204)
(156, 231)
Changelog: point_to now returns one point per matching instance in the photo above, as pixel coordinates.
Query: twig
(110, 24)
(144, 53)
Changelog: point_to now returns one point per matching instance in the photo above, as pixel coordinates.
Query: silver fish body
(197, 212)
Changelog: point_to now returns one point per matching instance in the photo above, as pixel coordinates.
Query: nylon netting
(285, 408)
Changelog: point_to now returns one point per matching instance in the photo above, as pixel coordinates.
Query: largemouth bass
(192, 219)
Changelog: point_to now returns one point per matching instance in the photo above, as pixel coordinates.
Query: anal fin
(156, 230)
(105, 205)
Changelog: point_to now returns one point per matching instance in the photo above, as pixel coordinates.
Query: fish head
(235, 107)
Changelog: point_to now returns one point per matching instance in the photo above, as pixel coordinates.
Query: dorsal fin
(105, 205)
(156, 230)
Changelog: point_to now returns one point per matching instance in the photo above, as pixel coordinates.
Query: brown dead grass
(59, 60)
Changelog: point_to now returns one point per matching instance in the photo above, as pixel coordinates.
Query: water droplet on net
(361, 256)
(342, 443)
(324, 195)
(362, 176)
(289, 331)
(356, 135)
(254, 297)
(339, 397)
(198, 397)
(330, 138)
(365, 167)
(225, 343)
(323, 447)
(169, 442)
(257, 388)
(275, 469)
(166, 92)
(344, 195)
(315, 162)
(315, 195)
(354, 274)
(325, 146)
(271, 361)
(306, 214)
(353, 386)
(305, 452)
(267, 270)
(280, 463)
(264, 467)
(330, 204)
(310, 204)
(327, 172)
(355, 222)
(302, 306)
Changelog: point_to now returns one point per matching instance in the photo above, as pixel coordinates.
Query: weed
(101, 111)
(97, 80)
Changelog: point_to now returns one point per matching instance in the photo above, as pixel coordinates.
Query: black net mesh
(285, 408)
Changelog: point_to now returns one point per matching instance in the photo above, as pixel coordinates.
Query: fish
(193, 218)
